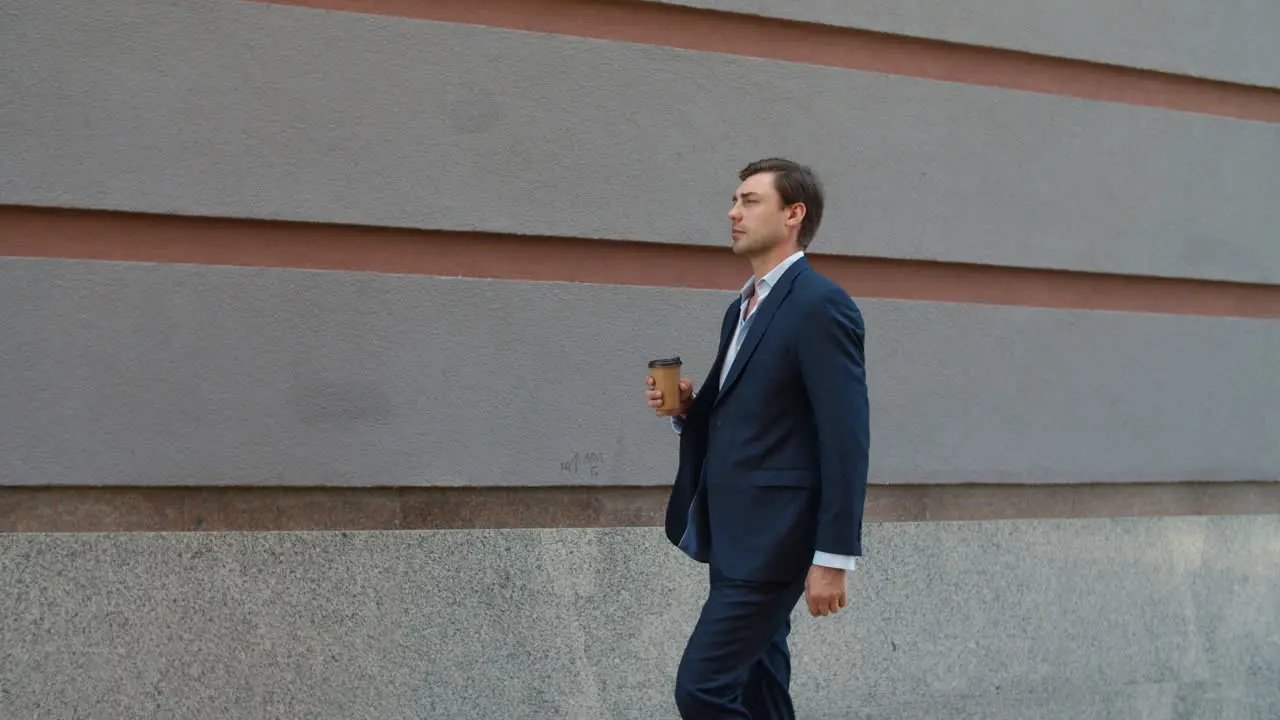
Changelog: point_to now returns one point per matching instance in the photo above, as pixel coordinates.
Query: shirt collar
(771, 278)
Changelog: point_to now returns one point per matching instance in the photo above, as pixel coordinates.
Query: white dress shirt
(760, 288)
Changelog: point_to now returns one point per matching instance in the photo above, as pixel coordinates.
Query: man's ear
(795, 214)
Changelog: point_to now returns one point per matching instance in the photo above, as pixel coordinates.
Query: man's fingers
(654, 395)
(819, 604)
(824, 596)
(824, 604)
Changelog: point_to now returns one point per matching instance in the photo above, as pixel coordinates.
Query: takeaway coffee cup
(666, 378)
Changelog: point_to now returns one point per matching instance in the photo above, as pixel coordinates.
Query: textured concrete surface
(132, 373)
(1227, 40)
(1155, 619)
(252, 110)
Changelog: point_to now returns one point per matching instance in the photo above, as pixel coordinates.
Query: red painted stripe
(97, 235)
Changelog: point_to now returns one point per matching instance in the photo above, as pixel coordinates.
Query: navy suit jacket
(773, 465)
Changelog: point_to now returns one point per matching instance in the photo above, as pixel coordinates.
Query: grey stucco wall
(1231, 40)
(132, 373)
(1157, 619)
(252, 110)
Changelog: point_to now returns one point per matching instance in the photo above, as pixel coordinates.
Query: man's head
(778, 205)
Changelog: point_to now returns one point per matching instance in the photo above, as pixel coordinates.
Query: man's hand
(825, 590)
(655, 397)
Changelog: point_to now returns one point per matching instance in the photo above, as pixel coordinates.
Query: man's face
(758, 219)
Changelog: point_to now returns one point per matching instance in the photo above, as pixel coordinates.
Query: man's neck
(762, 264)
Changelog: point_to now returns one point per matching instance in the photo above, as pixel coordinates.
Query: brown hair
(795, 183)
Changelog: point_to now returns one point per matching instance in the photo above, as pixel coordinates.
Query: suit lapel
(763, 316)
(726, 337)
(726, 333)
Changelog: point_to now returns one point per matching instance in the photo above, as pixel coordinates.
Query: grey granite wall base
(1149, 619)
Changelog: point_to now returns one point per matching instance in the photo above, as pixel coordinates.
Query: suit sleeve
(833, 368)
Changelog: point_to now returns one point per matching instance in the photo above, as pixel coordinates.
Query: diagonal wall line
(131, 237)
(687, 28)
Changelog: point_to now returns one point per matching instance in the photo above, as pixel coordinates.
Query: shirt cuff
(843, 562)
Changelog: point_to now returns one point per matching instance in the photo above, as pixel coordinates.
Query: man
(773, 456)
